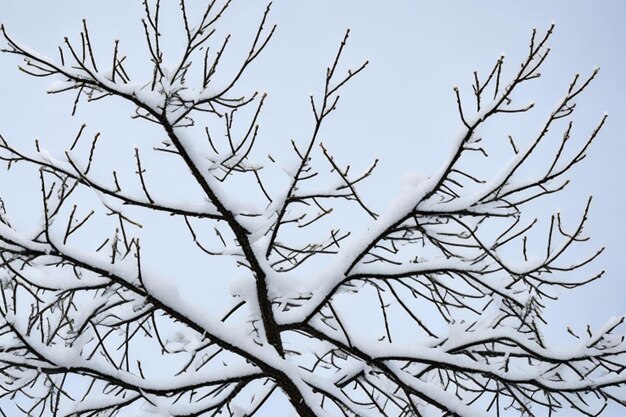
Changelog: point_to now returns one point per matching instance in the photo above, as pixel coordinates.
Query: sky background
(400, 110)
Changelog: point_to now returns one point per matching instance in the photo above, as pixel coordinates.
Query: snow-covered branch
(452, 281)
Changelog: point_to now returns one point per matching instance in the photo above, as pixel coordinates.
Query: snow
(13, 237)
(295, 294)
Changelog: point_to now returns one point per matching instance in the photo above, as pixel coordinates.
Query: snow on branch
(452, 281)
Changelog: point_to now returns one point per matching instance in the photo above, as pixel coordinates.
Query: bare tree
(81, 324)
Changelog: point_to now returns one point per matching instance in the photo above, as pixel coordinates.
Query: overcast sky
(400, 110)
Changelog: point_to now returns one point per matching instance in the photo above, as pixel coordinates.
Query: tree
(90, 328)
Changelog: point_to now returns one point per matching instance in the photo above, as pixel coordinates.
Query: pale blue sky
(400, 110)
